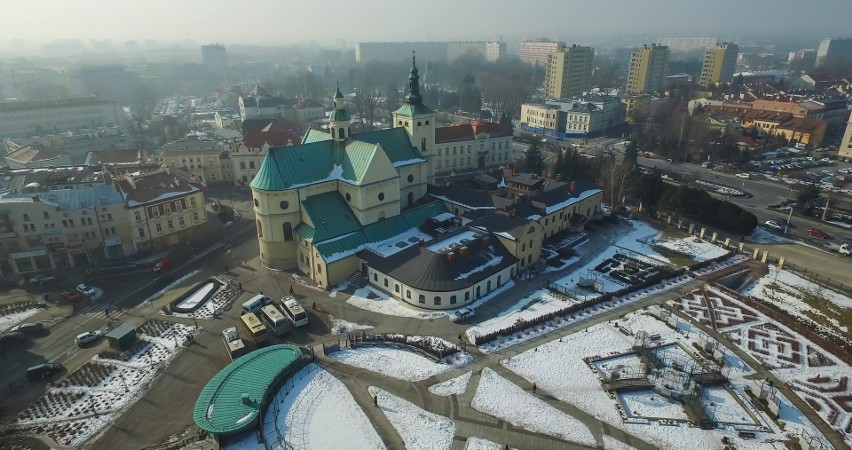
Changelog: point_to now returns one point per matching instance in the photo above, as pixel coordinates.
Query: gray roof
(70, 199)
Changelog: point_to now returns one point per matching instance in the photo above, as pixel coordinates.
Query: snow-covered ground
(393, 362)
(193, 300)
(453, 386)
(558, 367)
(340, 326)
(698, 249)
(611, 443)
(419, 429)
(498, 397)
(475, 443)
(514, 314)
(102, 386)
(383, 304)
(224, 296)
(169, 287)
(723, 407)
(10, 320)
(790, 292)
(308, 409)
(649, 404)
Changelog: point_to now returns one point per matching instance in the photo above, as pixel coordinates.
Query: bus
(255, 328)
(235, 346)
(273, 319)
(294, 311)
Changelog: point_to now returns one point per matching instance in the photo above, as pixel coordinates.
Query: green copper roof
(339, 115)
(330, 215)
(331, 250)
(383, 229)
(416, 216)
(220, 408)
(395, 143)
(314, 135)
(305, 231)
(411, 110)
(338, 94)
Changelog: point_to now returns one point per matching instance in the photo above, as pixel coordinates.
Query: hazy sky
(324, 21)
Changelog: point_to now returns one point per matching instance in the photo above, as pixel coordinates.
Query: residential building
(844, 149)
(400, 51)
(466, 146)
(215, 59)
(687, 44)
(587, 115)
(785, 124)
(537, 52)
(647, 69)
(818, 81)
(834, 50)
(37, 117)
(163, 207)
(636, 106)
(339, 203)
(200, 157)
(261, 104)
(52, 179)
(428, 51)
(48, 230)
(805, 58)
(720, 63)
(77, 145)
(568, 72)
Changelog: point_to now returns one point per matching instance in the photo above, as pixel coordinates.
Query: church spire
(413, 97)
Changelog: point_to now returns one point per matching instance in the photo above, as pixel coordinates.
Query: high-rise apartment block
(647, 69)
(720, 63)
(569, 72)
(215, 58)
(537, 52)
(833, 50)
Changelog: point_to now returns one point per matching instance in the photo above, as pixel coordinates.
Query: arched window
(259, 229)
(419, 124)
(410, 198)
(340, 133)
(288, 236)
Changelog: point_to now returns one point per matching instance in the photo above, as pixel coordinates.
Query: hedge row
(437, 348)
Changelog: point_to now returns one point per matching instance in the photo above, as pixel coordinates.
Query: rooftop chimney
(544, 174)
(451, 256)
(463, 251)
(573, 187)
(420, 242)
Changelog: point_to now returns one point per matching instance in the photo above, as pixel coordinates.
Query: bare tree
(615, 177)
(368, 103)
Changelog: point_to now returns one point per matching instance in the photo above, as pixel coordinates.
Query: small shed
(122, 337)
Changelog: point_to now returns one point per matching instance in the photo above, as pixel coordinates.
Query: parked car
(89, 291)
(29, 328)
(43, 371)
(87, 337)
(774, 224)
(71, 296)
(461, 315)
(42, 278)
(817, 233)
(14, 337)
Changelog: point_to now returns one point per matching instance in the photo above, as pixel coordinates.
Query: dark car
(43, 371)
(13, 337)
(29, 328)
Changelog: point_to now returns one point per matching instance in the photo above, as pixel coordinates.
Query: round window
(256, 204)
(410, 178)
(381, 196)
(284, 204)
(348, 197)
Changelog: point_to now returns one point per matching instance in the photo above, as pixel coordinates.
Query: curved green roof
(220, 408)
(339, 115)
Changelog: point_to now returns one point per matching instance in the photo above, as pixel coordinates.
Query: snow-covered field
(649, 404)
(419, 429)
(91, 397)
(453, 386)
(558, 368)
(13, 318)
(801, 297)
(314, 412)
(498, 397)
(383, 304)
(393, 362)
(723, 407)
(340, 326)
(698, 249)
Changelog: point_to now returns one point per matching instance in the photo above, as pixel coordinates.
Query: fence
(425, 346)
(285, 382)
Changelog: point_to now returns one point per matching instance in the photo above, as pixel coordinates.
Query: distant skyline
(279, 22)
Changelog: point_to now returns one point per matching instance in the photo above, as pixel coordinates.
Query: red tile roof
(156, 186)
(278, 133)
(464, 131)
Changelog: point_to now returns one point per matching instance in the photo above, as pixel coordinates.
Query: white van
(256, 302)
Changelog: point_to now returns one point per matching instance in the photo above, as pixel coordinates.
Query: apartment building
(203, 158)
(647, 69)
(832, 50)
(569, 72)
(720, 63)
(474, 145)
(537, 52)
(587, 115)
(37, 117)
